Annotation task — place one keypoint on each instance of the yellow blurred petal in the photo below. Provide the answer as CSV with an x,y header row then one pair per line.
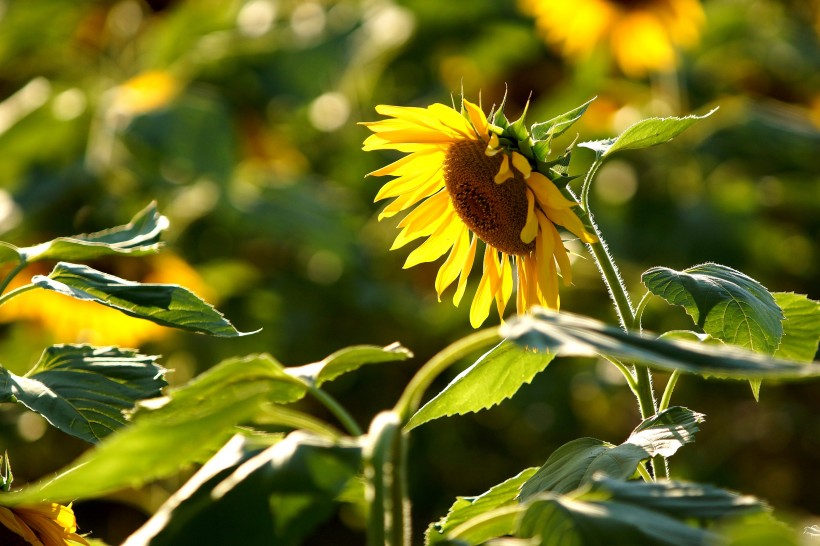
x,y
478,118
408,183
437,244
531,226
547,194
412,163
453,265
465,271
504,172
15,524
521,164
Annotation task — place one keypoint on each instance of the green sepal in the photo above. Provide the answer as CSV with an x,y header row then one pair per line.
x,y
556,126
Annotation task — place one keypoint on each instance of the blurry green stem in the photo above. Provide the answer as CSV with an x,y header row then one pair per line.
x,y
16,292
337,410
13,273
617,290
667,392
627,373
413,393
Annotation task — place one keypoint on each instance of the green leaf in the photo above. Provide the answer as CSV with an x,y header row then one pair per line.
x,y
801,328
613,512
279,494
494,377
645,133
723,302
187,426
566,334
347,360
165,304
557,125
137,238
575,463
84,390
466,508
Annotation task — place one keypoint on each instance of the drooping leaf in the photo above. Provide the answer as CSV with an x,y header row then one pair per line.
x,y
137,238
801,328
494,377
165,304
277,494
466,508
188,425
645,133
347,360
614,512
567,334
84,390
726,303
575,463
557,125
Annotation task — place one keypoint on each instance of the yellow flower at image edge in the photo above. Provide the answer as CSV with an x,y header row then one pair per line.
x,y
47,524
642,34
466,186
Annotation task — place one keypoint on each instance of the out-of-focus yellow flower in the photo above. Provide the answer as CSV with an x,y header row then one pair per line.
x,y
145,92
642,35
74,321
47,524
465,185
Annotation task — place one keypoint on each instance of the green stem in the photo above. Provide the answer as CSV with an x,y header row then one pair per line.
x,y
646,396
647,477
410,400
667,392
337,410
636,323
16,292
627,373
13,273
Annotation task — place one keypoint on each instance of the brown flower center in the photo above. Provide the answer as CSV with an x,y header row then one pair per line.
x,y
496,213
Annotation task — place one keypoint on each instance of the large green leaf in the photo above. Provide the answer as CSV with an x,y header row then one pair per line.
x,y
166,304
277,494
137,238
467,508
645,133
575,463
494,377
801,329
187,426
84,390
726,303
613,513
566,334
347,360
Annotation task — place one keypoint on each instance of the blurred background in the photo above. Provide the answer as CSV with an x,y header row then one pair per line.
x,y
240,119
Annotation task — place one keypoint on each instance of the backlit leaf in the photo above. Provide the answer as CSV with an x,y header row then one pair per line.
x,y
347,360
166,304
723,302
84,390
566,334
494,377
801,328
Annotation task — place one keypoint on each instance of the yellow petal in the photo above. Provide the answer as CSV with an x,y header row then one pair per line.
x,y
568,219
547,194
409,199
437,244
521,164
465,272
412,163
424,219
562,258
504,291
504,172
492,147
521,293
480,308
531,226
545,262
478,118
454,263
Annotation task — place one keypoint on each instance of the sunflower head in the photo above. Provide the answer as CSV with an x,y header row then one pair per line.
x,y
470,178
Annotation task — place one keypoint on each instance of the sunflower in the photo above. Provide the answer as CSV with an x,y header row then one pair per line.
x,y
643,34
465,185
47,524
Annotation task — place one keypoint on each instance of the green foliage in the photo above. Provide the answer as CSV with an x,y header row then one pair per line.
x,y
801,327
166,304
494,377
644,134
576,463
84,390
566,334
723,302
